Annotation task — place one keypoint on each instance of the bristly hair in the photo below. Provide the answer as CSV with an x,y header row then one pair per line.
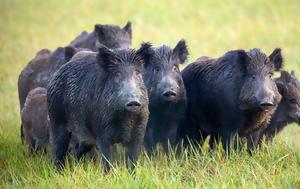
x,y
163,52
126,56
257,60
256,55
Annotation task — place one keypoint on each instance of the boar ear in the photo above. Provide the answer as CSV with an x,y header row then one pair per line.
x,y
69,52
281,87
145,52
293,73
106,58
128,29
181,51
99,31
285,76
277,59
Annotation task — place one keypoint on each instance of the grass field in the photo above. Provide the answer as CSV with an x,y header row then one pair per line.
x,y
210,28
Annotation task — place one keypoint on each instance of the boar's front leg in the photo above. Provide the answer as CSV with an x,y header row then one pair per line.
x,y
254,140
169,140
133,148
149,141
104,146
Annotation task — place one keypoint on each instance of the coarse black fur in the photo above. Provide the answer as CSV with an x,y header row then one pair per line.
x,y
101,99
167,96
111,36
233,94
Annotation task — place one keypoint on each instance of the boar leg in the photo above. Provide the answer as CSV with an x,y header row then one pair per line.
x,y
22,133
226,139
60,140
104,146
32,146
82,149
132,152
253,140
213,141
169,140
149,141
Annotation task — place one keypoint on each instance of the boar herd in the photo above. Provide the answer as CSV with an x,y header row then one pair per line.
x,y
97,91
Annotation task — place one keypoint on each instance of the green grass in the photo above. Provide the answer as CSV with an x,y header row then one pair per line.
x,y
210,28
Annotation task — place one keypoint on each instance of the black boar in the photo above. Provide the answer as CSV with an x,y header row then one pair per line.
x,y
101,99
39,70
35,120
167,96
288,110
111,36
233,94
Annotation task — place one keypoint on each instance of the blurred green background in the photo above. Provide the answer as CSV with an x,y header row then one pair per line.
x,y
210,28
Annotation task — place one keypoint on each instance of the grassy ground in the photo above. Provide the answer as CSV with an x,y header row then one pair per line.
x,y
210,28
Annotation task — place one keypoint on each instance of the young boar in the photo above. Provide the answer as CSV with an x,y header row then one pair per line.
x,y
233,94
35,120
167,96
101,99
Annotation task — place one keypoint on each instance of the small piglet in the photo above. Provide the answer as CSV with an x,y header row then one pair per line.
x,y
35,120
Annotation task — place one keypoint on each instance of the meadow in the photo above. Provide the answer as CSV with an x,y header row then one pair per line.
x,y
210,28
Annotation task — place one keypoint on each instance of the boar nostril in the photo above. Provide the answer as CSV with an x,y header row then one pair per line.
x,y
169,94
266,104
133,104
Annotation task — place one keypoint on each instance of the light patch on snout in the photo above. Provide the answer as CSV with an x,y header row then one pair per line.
x,y
168,83
130,87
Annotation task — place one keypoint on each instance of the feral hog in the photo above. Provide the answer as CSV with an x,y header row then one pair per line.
x,y
35,120
166,91
233,94
288,110
111,36
101,99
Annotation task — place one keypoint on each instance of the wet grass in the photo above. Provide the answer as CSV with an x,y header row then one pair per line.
x,y
210,28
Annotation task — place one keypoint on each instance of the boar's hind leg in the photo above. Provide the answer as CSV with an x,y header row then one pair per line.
x,y
82,149
60,139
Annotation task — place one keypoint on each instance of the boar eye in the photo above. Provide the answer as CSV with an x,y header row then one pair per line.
x,y
156,69
270,74
294,101
175,68
138,73
118,75
253,76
